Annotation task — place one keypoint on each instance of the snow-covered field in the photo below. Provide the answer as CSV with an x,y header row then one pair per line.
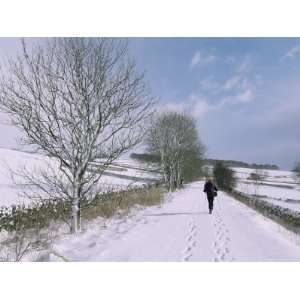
x,y
123,173
178,230
278,187
182,230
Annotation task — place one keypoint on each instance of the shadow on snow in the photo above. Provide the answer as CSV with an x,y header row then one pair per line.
x,y
178,213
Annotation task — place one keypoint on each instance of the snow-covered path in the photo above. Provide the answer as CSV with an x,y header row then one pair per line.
x,y
182,230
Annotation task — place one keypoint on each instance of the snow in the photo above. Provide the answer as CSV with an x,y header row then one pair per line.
x,y
273,192
12,160
179,230
279,187
182,230
278,176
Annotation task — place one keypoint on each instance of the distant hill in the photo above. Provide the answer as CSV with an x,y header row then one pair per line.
x,y
241,164
150,158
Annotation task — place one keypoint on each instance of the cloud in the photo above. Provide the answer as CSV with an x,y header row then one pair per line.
x,y
237,89
171,106
245,66
258,79
237,83
232,83
274,132
201,58
242,97
209,84
291,53
284,115
196,105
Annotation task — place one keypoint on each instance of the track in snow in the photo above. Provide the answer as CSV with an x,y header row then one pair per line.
x,y
182,230
190,240
221,245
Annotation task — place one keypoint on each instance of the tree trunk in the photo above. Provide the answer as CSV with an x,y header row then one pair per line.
x,y
171,183
165,177
74,216
79,217
178,175
164,168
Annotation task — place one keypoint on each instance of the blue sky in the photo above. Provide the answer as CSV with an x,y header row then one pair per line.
x,y
243,92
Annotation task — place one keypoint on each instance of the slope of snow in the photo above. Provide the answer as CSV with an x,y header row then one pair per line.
x,y
278,187
273,192
182,230
14,161
276,176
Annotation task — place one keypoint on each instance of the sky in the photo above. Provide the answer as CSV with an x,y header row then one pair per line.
x,y
244,93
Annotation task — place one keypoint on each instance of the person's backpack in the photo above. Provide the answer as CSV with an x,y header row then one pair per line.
x,y
214,192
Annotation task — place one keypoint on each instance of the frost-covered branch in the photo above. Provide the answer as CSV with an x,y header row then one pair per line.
x,y
78,101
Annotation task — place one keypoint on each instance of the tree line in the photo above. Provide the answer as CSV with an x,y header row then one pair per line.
x,y
241,164
173,139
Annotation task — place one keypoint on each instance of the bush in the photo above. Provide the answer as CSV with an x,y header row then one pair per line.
x,y
255,177
40,215
297,169
258,175
288,218
224,177
108,204
27,231
37,215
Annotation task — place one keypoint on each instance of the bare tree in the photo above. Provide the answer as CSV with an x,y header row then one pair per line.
x,y
79,101
174,137
258,176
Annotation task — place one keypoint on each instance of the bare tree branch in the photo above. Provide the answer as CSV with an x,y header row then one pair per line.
x,y
79,100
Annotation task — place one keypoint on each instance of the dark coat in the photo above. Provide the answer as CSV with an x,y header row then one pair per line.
x,y
209,189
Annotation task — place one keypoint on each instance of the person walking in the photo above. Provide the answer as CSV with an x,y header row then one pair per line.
x,y
211,191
